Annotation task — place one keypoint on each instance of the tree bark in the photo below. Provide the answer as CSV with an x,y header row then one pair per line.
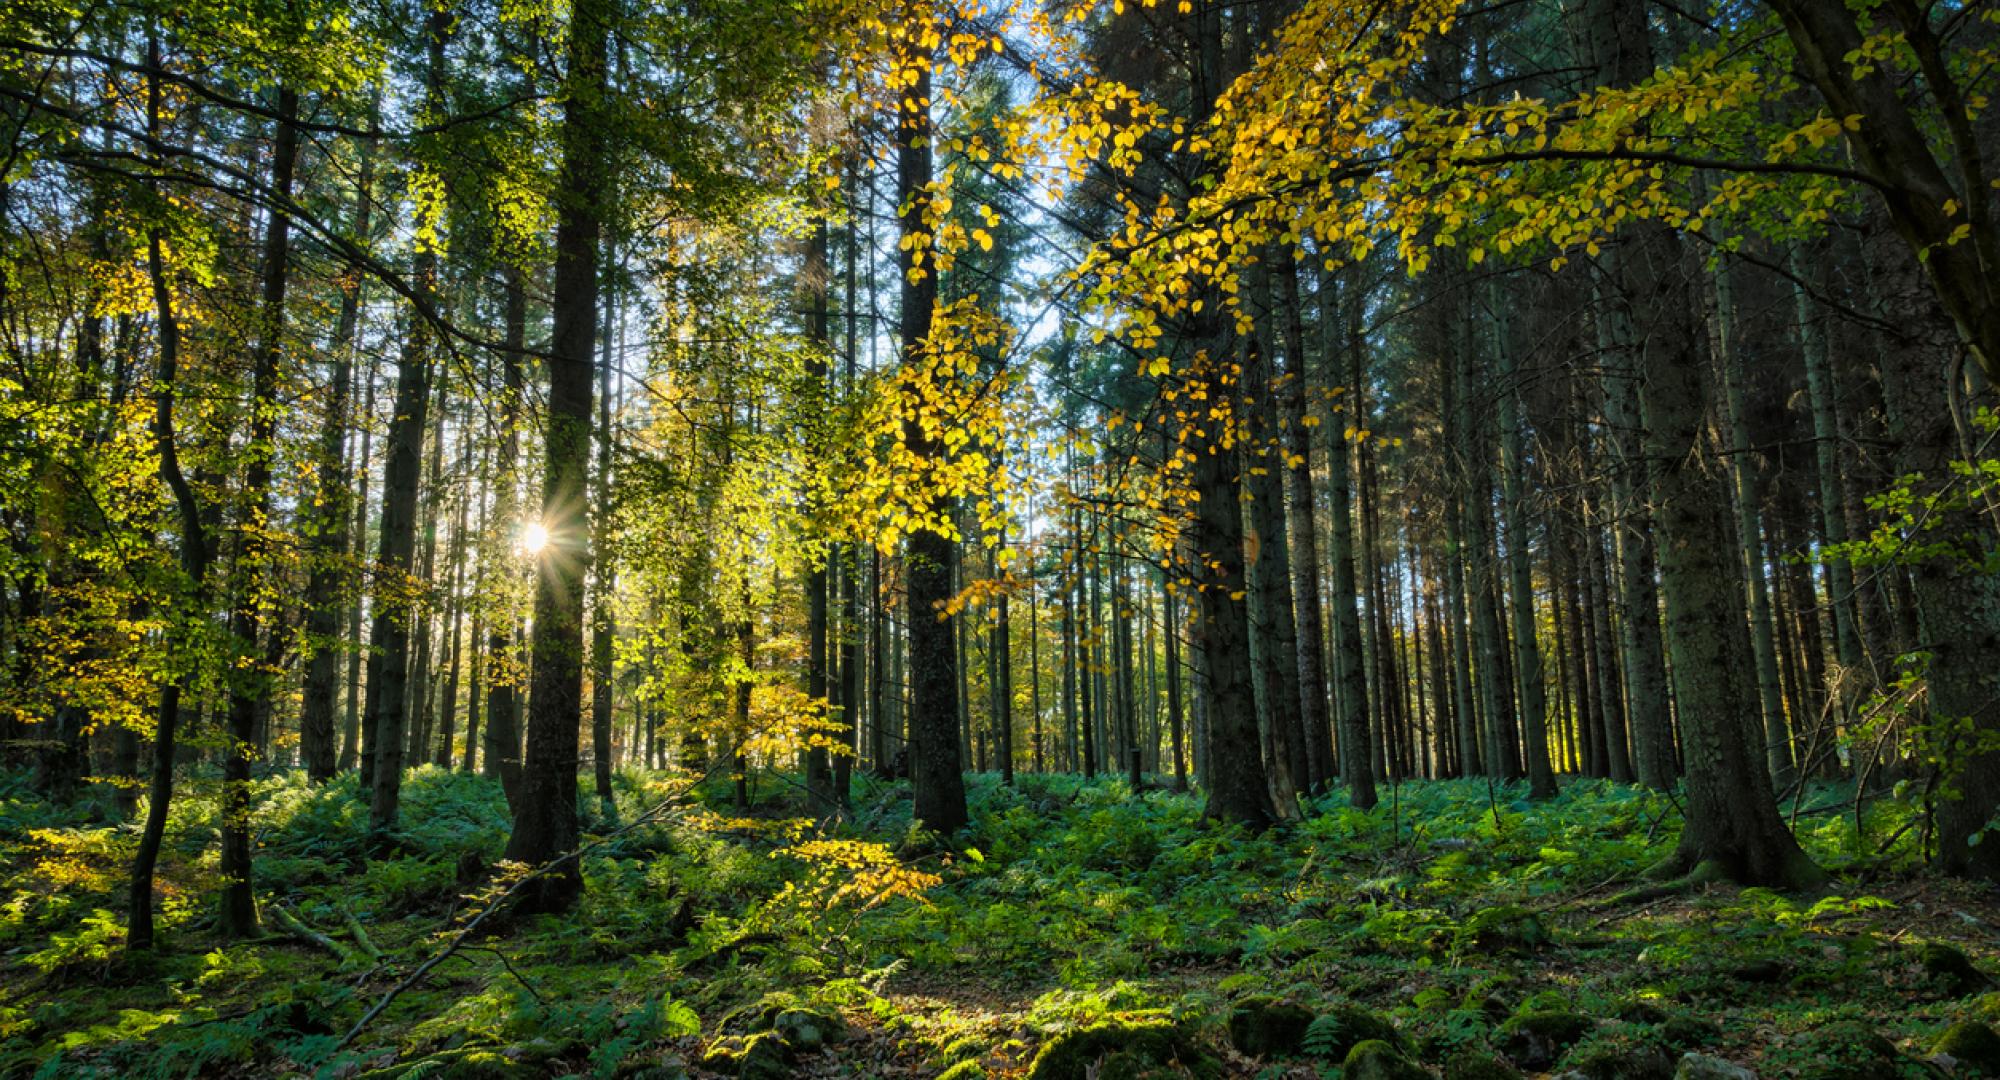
x,y
545,822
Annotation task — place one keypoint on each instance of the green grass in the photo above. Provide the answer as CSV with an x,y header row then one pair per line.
x,y
1065,907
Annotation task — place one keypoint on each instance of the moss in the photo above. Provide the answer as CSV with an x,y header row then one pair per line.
x,y
1267,1026
964,1070
1688,1032
1086,1052
809,1029
1846,1050
1619,1056
1342,1027
1544,1001
1508,929
1973,1048
1376,1059
1535,1040
963,1048
765,1057
1640,1011
1951,969
1478,1065
479,1063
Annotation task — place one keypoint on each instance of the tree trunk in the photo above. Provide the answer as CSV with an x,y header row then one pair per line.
x,y
1957,594
194,555
1520,574
328,542
394,610
503,659
250,684
930,555
1343,335
545,824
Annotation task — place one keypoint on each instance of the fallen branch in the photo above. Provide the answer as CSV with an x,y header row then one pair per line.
x,y
297,927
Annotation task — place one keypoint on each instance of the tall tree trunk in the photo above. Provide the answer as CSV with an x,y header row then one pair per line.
x,y
503,658
394,610
603,616
1274,633
545,824
1957,594
813,283
350,731
1749,533
1304,536
454,620
328,542
238,917
930,555
1520,574
1343,330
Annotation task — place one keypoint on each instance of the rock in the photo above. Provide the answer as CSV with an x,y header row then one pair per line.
x,y
1687,1032
1951,969
1641,1011
1702,1067
1536,1040
1758,971
1619,1057
1478,1065
1507,929
765,1057
1341,1028
1267,1027
1376,1059
1847,1050
1113,1048
807,1029
1968,1048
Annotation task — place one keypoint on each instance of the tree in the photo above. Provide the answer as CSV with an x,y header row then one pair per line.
x,y
930,554
545,825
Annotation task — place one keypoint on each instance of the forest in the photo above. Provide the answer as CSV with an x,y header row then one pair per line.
x,y
1063,539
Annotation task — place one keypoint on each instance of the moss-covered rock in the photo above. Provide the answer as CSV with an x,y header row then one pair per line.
x,y
1116,1048
1846,1050
1478,1065
1377,1059
1268,1026
461,1063
1951,969
1536,1040
964,1070
1640,1011
1508,929
1619,1057
1703,1067
1968,1048
808,1029
1341,1028
765,1057
1684,1032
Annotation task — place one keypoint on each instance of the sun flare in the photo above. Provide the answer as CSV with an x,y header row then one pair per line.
x,y
534,537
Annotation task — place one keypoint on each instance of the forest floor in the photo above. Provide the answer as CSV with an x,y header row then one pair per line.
x,y
1074,931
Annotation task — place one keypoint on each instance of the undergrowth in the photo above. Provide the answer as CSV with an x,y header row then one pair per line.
x,y
1465,920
